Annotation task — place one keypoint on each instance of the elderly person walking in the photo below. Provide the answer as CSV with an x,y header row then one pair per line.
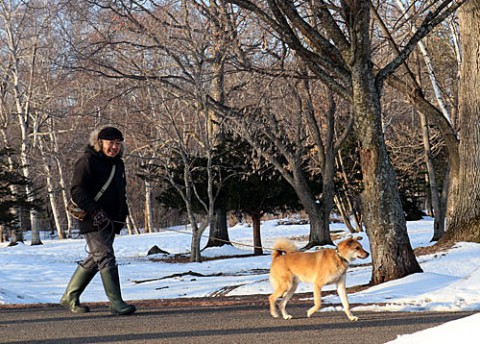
x,y
99,168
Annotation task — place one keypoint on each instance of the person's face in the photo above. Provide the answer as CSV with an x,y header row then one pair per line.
x,y
111,148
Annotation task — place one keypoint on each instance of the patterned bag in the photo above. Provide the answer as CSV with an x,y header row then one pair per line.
x,y
78,213
75,211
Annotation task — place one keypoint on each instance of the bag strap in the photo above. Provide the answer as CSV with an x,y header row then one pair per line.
x,y
105,186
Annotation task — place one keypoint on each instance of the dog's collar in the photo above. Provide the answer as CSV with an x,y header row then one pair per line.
x,y
342,257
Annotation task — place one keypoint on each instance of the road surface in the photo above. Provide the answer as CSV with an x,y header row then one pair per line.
x,y
207,321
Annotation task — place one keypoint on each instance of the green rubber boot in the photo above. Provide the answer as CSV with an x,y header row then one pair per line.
x,y
111,284
79,281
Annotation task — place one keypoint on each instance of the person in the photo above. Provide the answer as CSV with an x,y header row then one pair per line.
x,y
105,217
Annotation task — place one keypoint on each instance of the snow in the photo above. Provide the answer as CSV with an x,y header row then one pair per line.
x,y
450,282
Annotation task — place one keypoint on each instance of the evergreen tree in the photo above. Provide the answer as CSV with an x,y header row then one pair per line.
x,y
249,186
10,199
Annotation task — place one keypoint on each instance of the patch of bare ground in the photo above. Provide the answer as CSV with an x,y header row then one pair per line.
x,y
437,248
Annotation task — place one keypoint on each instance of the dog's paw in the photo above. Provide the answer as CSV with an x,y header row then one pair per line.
x,y
287,317
310,313
274,315
352,318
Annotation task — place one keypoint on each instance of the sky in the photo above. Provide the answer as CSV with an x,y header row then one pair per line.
x,y
450,281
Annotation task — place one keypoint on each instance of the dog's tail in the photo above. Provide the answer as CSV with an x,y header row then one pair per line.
x,y
282,246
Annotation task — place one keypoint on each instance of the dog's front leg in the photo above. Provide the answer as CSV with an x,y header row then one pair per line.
x,y
342,292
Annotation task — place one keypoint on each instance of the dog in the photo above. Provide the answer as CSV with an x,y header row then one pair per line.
x,y
322,267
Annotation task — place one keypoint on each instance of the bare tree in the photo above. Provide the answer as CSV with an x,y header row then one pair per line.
x,y
220,25
343,60
186,140
296,135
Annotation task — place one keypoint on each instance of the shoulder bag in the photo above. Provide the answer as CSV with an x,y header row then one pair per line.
x,y
78,213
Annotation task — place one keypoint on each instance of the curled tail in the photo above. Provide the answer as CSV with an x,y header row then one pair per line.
x,y
281,246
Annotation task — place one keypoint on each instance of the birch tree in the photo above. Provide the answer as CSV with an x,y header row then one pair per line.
x,y
438,202
460,139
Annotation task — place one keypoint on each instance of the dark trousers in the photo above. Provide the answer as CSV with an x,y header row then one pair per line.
x,y
100,249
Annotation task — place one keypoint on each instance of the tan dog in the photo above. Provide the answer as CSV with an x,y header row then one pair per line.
x,y
321,268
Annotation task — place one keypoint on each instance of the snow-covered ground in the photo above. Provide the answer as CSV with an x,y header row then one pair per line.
x,y
450,282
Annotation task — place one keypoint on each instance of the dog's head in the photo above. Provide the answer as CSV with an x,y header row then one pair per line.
x,y
351,249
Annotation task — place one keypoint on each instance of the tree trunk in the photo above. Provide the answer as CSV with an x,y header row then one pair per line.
x,y
464,222
16,236
195,246
64,197
218,235
318,236
344,213
53,205
257,238
392,254
352,206
148,207
317,212
438,224
131,224
3,234
61,179
46,156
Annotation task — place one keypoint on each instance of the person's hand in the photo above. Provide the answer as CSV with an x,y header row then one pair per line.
x,y
100,219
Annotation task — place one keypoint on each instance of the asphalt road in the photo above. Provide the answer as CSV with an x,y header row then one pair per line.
x,y
204,321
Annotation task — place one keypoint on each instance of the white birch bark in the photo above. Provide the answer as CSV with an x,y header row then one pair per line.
x,y
46,157
131,225
428,63
62,184
438,208
148,207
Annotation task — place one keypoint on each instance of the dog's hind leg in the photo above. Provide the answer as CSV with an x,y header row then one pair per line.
x,y
342,292
286,297
279,290
272,299
317,296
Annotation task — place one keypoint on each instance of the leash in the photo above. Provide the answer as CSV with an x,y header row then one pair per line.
x,y
208,237
221,240
110,235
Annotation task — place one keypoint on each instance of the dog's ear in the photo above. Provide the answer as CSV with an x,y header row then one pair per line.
x,y
352,240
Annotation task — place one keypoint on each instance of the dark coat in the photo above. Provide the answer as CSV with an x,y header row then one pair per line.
x,y
90,173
